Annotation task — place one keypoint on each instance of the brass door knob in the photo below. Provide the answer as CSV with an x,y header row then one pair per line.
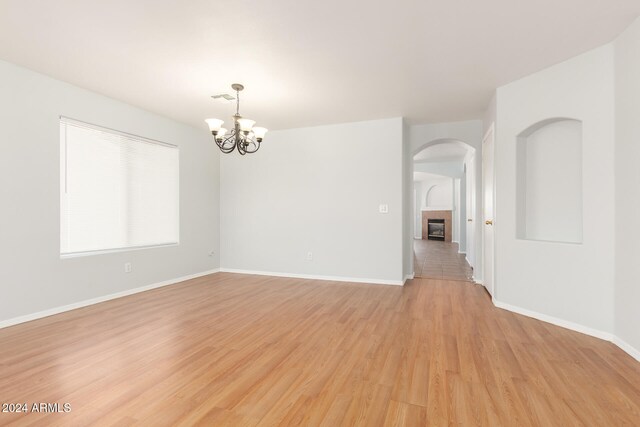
x,y
488,222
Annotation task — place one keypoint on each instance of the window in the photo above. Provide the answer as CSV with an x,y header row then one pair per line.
x,y
117,191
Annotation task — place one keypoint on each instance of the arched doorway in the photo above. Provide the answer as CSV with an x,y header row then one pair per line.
x,y
444,185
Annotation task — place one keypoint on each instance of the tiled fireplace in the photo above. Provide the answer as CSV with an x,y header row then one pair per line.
x,y
436,225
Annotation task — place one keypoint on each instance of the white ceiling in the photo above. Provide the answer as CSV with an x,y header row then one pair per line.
x,y
304,63
447,151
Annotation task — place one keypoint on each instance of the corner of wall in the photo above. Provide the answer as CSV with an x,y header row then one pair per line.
x,y
626,51
407,216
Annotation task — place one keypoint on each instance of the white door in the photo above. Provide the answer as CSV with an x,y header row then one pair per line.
x,y
488,205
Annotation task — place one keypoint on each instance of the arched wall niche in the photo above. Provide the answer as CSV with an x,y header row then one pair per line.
x,y
549,181
438,195
426,197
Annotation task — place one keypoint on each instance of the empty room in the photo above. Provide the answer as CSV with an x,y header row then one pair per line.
x,y
336,213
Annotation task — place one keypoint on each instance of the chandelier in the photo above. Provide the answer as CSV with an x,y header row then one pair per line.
x,y
243,136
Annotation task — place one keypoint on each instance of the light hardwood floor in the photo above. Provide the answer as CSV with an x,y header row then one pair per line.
x,y
242,350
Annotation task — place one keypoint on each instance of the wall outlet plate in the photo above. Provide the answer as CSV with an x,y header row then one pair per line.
x,y
127,267
383,209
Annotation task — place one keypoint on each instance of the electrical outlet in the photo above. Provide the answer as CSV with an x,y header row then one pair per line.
x,y
127,267
383,209
309,256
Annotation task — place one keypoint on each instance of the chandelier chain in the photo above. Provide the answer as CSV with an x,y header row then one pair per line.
x,y
237,102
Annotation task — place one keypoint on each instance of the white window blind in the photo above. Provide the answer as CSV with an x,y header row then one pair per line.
x,y
117,191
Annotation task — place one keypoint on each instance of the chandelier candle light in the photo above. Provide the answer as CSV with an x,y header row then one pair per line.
x,y
244,135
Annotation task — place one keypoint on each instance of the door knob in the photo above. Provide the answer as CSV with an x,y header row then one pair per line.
x,y
489,222
469,220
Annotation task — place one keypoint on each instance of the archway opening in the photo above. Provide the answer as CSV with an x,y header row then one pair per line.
x,y
444,201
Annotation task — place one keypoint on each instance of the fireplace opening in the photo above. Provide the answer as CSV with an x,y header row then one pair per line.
x,y
435,229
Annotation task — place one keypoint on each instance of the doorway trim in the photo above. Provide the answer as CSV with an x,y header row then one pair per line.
x,y
490,133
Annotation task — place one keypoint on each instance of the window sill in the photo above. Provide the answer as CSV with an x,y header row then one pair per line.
x,y
115,250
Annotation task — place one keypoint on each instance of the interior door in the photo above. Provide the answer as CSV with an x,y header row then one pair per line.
x,y
488,209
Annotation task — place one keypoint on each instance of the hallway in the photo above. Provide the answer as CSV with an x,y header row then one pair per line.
x,y
440,260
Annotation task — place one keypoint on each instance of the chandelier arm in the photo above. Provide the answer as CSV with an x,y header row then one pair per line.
x,y
224,146
229,142
241,148
229,139
256,144
226,149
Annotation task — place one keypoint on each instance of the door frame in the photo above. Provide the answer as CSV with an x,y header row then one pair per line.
x,y
489,134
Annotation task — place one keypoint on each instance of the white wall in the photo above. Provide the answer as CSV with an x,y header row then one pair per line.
x,y
454,169
456,211
627,289
33,278
437,193
417,210
317,190
470,209
462,215
489,115
570,282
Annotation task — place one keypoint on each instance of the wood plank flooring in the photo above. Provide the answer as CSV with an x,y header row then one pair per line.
x,y
239,350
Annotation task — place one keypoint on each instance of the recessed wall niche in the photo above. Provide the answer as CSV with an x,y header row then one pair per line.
x,y
549,181
438,195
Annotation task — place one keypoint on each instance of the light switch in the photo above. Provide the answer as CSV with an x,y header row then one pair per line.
x,y
383,209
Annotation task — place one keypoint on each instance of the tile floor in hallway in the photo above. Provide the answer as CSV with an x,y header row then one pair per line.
x,y
440,260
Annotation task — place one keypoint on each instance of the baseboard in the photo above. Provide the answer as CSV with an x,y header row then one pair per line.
x,y
97,300
408,277
555,321
624,346
315,277
633,352
468,262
